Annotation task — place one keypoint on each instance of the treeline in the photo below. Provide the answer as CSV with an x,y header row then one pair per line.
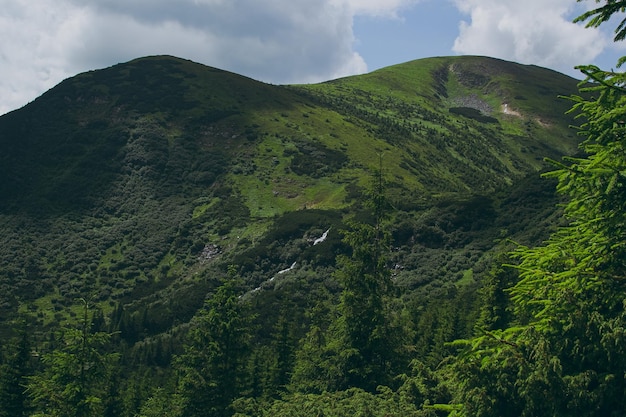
x,y
367,331
353,341
346,337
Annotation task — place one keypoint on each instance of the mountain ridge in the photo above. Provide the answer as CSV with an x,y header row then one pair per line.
x,y
116,181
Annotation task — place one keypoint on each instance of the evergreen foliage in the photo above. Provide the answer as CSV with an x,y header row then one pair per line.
x,y
360,348
75,378
563,352
602,14
211,371
15,369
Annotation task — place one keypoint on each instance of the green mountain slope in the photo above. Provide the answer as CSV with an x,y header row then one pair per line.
x,y
136,185
474,122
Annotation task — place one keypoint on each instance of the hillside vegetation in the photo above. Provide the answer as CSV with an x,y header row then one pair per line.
x,y
154,197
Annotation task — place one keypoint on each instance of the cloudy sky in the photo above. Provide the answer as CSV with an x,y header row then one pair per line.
x,y
285,41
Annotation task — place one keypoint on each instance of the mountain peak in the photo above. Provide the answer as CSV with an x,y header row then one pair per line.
x,y
425,110
117,182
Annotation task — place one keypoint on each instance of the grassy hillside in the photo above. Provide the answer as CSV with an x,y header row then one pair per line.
x,y
136,185
489,119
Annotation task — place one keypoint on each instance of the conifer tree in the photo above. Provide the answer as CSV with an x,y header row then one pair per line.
x,y
161,404
75,378
564,355
211,370
14,371
359,349
362,325
369,341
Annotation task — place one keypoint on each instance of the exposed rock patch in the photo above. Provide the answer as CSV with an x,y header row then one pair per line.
x,y
506,109
473,102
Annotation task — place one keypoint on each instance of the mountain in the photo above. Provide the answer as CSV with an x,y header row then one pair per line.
x,y
135,186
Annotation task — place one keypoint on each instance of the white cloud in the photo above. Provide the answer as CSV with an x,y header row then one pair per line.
x,y
532,32
387,8
33,59
279,41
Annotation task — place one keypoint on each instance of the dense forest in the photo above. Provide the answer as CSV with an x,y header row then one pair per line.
x,y
292,271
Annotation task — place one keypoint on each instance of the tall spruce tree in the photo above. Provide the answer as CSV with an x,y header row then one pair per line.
x,y
15,369
362,325
565,353
359,349
212,368
75,377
